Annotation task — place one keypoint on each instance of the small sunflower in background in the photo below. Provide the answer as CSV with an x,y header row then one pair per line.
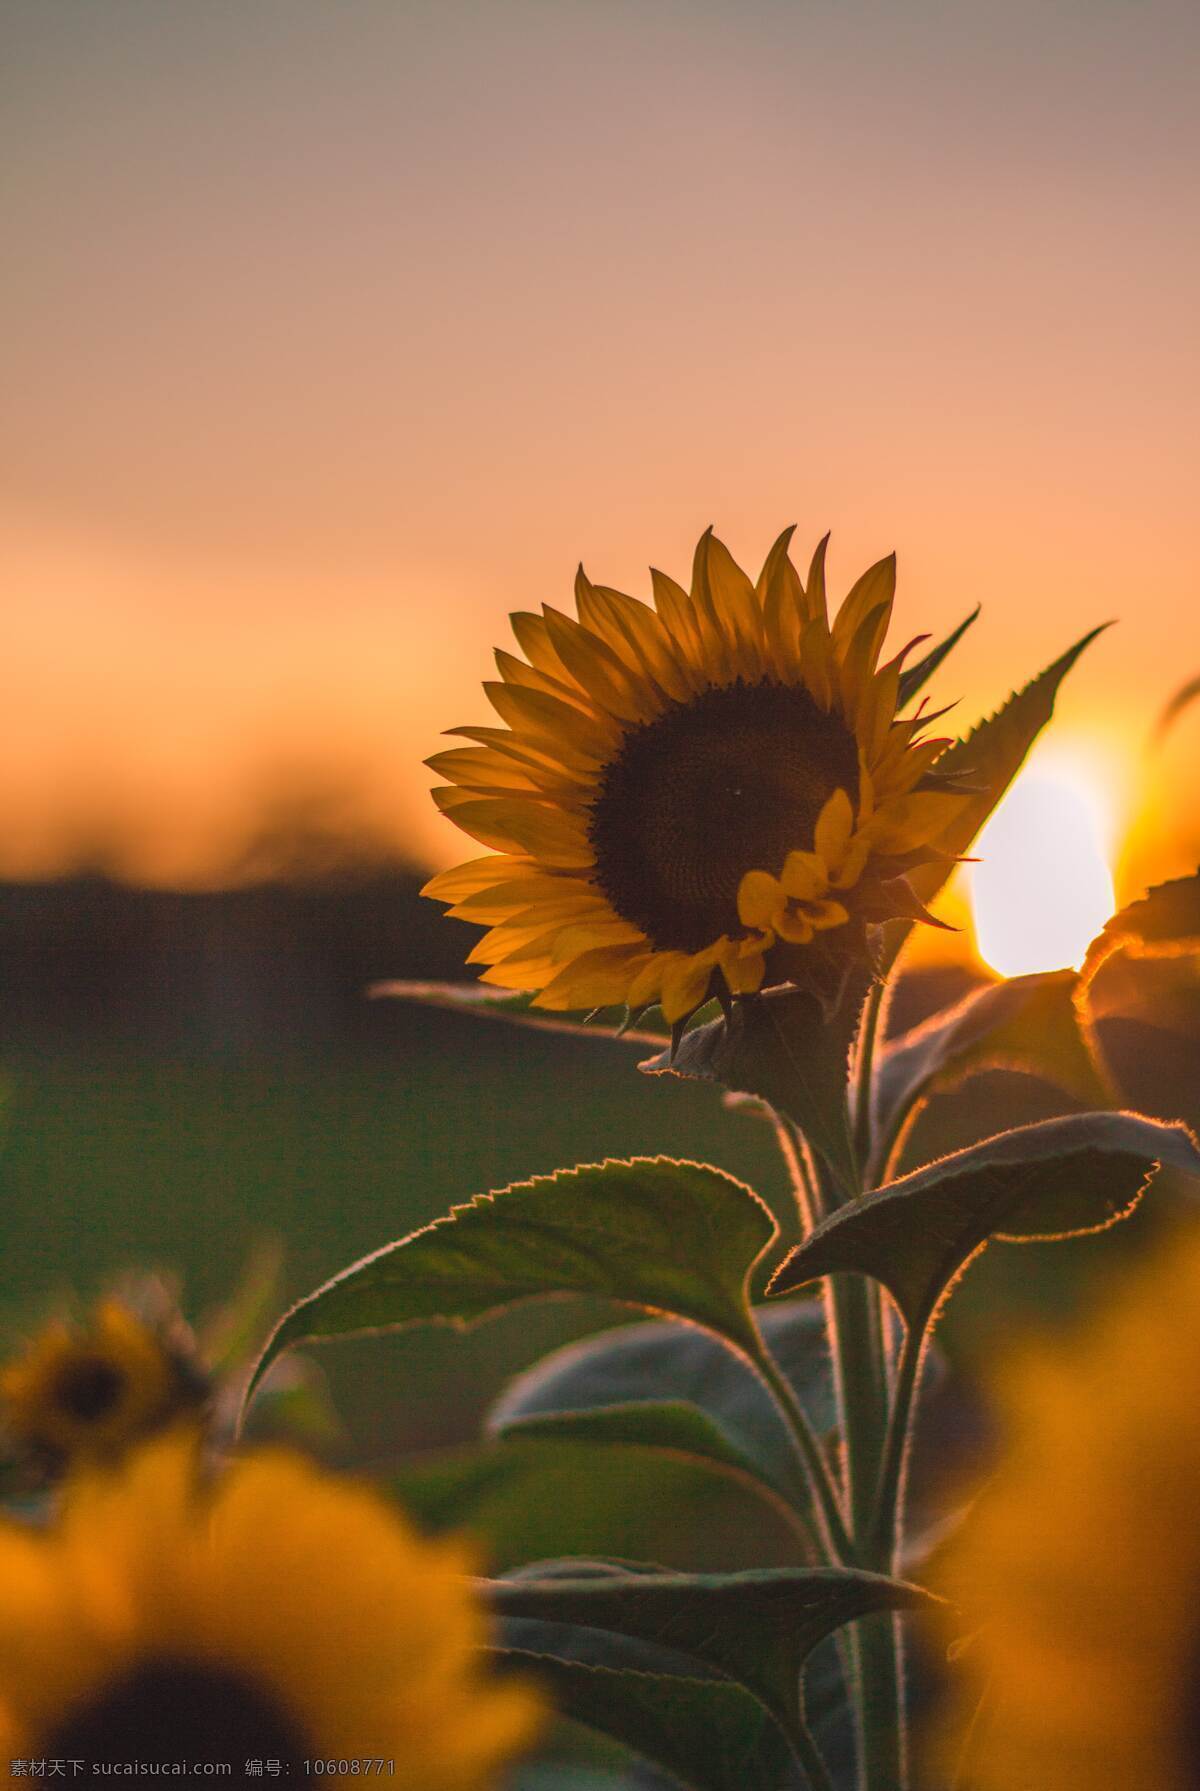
x,y
270,1613
1077,1573
692,799
85,1392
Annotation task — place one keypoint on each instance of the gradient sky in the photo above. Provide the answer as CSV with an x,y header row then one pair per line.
x,y
335,331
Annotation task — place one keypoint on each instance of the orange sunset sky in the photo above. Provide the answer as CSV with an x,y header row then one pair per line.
x,y
335,331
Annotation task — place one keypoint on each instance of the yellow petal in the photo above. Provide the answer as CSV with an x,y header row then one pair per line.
x,y
805,877
513,824
910,821
876,586
815,603
733,598
623,619
597,979
647,983
501,900
478,768
535,643
685,985
795,927
759,895
464,880
853,864
835,824
816,661
823,915
547,719
527,677
608,683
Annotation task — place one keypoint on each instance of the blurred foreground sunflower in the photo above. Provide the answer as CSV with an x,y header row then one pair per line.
x,y
272,1614
1080,1564
694,798
87,1392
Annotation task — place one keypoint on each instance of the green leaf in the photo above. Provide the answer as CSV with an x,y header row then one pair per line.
x,y
918,675
1057,1178
757,1627
654,1361
708,1734
784,1048
672,1424
499,1004
1027,1023
530,1500
987,760
674,1238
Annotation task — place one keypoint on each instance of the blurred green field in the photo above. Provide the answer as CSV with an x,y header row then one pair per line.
x,y
116,1160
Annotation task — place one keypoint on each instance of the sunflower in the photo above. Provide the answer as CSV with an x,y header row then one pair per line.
x,y
273,1614
695,798
83,1393
1079,1568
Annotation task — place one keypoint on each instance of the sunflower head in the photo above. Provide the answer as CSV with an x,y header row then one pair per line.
x,y
85,1393
1076,1574
273,1612
699,797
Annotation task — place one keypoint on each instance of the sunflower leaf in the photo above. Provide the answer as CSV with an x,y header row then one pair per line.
x,y
527,1500
986,760
1165,923
501,1004
674,1238
756,1627
1054,1179
1027,1023
918,675
656,1362
707,1734
786,1049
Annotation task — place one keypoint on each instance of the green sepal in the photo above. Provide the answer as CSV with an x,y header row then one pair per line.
x,y
786,1049
669,1237
987,759
1055,1179
918,675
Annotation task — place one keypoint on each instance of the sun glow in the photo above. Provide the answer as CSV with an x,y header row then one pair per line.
x,y
1043,888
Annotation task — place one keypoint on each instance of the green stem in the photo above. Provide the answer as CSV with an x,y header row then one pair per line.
x,y
868,1032
809,1756
799,1168
887,1520
831,1524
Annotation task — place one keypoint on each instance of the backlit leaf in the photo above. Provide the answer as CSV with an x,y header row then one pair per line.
x,y
660,1361
672,1238
1026,1023
757,1627
1057,1178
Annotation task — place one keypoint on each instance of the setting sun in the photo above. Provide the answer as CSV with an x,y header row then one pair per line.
x,y
1043,888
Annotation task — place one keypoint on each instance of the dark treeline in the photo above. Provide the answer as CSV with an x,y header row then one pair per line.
x,y
269,967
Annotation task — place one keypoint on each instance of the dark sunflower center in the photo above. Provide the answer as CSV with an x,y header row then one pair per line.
x,y
89,1387
162,1710
731,782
